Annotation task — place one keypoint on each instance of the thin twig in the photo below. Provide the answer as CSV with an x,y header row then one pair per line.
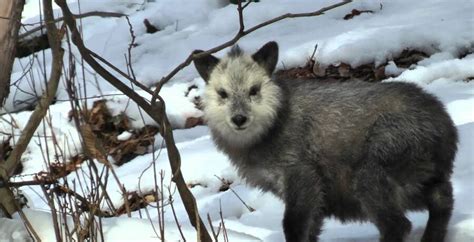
x,y
85,204
247,4
314,52
27,222
214,234
130,47
156,111
157,108
134,81
171,201
224,230
54,213
235,193
77,16
7,167
240,10
241,33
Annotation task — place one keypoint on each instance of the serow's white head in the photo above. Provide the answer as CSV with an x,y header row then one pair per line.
x,y
241,100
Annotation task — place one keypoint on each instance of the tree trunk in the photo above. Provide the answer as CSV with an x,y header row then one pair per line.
x,y
10,20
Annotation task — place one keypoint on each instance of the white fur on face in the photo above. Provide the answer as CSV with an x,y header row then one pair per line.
x,y
236,76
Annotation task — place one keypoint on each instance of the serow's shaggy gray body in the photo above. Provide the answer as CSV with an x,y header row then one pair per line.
x,y
356,151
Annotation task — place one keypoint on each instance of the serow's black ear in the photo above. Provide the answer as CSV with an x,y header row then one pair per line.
x,y
267,56
205,64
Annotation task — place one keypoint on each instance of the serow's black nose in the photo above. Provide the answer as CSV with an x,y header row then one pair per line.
x,y
239,120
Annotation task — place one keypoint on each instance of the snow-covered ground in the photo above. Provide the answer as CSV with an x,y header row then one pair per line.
x,y
443,29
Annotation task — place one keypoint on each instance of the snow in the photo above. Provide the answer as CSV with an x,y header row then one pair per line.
x,y
125,135
443,29
12,230
454,69
392,69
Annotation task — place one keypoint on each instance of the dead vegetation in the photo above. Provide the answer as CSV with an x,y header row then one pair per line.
x,y
107,129
356,12
344,72
5,150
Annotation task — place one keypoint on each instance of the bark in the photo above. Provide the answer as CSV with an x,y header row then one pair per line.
x,y
7,167
10,20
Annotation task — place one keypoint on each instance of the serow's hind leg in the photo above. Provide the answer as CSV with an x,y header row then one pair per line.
x,y
378,194
439,200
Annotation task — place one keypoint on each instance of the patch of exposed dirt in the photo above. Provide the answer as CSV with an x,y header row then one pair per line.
x,y
344,72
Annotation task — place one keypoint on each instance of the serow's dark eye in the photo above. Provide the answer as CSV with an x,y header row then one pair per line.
x,y
254,90
222,93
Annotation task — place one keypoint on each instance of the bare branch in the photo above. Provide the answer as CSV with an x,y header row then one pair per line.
x,y
7,167
77,16
246,4
224,182
240,9
50,92
297,15
134,81
156,110
8,38
87,55
85,204
214,234
171,201
241,33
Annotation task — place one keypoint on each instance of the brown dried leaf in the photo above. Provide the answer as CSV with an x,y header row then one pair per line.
x,y
344,70
5,148
150,28
193,121
379,73
59,169
121,122
409,57
356,12
319,70
93,146
141,150
150,198
137,201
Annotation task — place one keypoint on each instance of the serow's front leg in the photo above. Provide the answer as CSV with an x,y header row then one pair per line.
x,y
302,205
